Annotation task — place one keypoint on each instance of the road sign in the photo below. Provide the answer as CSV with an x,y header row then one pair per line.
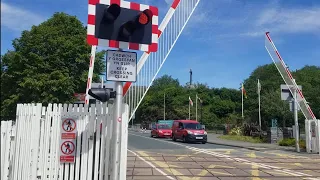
x,y
67,151
274,123
68,128
286,94
121,66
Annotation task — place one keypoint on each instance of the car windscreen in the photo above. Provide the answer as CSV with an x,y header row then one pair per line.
x,y
163,127
192,126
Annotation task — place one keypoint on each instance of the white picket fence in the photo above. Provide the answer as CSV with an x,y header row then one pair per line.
x,y
30,146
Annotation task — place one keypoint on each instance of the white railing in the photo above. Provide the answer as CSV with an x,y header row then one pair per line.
x,y
30,148
7,148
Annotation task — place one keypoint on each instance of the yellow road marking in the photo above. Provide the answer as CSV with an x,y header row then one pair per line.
x,y
286,155
166,167
227,152
255,170
298,164
205,172
217,172
228,167
252,154
184,156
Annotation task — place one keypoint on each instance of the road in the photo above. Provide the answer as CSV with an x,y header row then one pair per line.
x,y
157,159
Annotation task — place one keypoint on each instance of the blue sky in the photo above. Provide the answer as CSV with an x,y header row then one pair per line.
x,y
222,43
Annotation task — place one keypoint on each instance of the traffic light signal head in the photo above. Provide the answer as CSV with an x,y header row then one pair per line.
x,y
111,13
123,24
101,94
128,29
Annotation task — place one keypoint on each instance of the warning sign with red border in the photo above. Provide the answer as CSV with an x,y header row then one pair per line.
x,y
67,151
68,128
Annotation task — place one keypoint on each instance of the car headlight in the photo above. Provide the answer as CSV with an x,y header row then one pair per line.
x,y
205,132
190,132
160,131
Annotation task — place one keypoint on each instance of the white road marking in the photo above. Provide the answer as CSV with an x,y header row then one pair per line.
x,y
153,166
230,157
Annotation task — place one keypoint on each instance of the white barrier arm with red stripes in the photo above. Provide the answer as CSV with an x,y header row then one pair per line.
x,y
145,55
287,77
90,73
170,30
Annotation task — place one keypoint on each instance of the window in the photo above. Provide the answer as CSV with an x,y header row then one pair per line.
x,y
163,126
192,126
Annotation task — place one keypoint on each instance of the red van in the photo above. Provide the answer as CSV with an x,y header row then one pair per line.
x,y
188,131
161,130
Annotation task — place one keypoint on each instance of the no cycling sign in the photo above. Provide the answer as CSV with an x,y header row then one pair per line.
x,y
67,151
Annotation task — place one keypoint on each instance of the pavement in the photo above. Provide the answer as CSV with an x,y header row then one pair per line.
x,y
160,158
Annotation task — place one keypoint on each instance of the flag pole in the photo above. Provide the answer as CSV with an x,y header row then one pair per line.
x,y
189,107
259,88
196,107
242,100
164,106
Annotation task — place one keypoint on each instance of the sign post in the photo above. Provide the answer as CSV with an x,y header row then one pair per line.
x,y
67,142
121,67
296,123
293,98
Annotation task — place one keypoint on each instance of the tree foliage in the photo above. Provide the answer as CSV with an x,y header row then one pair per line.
x,y
223,105
48,64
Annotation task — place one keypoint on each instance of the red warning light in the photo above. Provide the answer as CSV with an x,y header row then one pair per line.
x,y
145,17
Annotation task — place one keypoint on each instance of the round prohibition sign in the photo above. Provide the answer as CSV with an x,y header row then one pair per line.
x,y
67,147
69,125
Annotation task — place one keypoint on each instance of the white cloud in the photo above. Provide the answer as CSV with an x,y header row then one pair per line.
x,y
18,19
280,20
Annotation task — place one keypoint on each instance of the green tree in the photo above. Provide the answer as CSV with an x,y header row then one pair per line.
x,y
48,64
271,104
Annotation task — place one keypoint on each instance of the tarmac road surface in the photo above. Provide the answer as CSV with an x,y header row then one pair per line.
x,y
157,159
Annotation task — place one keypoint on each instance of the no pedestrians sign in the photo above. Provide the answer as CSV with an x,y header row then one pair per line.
x,y
68,128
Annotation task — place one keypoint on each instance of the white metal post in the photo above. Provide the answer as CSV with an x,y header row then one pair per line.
x,y
164,106
196,107
242,101
189,108
296,120
259,105
318,134
116,137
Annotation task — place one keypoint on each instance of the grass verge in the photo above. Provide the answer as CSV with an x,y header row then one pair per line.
x,y
291,142
242,138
